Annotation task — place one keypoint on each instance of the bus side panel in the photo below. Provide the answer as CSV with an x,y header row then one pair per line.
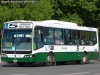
x,y
93,55
71,56
40,57
68,56
59,56
65,56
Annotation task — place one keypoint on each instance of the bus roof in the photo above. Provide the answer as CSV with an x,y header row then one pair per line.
x,y
18,21
64,25
51,23
47,21
60,22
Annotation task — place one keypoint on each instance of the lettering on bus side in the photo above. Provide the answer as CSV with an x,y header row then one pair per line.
x,y
64,48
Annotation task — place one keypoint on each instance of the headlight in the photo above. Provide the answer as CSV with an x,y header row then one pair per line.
x,y
30,56
27,56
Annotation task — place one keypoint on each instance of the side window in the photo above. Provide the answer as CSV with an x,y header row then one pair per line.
x,y
48,36
59,37
84,38
92,38
67,37
76,37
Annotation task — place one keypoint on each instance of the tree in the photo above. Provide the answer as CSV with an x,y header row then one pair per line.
x,y
41,10
83,12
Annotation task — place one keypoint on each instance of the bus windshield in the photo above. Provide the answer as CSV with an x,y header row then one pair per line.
x,y
18,40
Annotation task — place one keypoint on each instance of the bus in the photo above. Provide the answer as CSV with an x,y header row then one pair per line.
x,y
48,42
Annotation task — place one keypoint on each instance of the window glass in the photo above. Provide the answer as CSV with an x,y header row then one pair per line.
x,y
92,38
76,37
40,37
48,36
58,37
84,38
67,37
20,39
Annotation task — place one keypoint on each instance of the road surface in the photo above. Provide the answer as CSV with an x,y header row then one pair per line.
x,y
93,68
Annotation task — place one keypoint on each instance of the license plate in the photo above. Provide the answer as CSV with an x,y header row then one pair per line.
x,y
15,60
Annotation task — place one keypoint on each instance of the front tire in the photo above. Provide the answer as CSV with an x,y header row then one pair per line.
x,y
50,60
84,59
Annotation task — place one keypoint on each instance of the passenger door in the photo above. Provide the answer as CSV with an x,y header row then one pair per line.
x,y
38,38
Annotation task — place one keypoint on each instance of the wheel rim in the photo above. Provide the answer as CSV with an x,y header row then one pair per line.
x,y
84,59
49,59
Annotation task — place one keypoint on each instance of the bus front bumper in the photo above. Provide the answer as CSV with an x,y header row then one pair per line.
x,y
15,60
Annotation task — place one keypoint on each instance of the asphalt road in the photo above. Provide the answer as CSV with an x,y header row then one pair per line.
x,y
93,68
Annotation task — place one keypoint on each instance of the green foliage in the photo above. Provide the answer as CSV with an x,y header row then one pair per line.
x,y
82,12
73,18
41,10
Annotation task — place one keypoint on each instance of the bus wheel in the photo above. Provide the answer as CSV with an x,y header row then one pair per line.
x,y
50,60
21,64
84,59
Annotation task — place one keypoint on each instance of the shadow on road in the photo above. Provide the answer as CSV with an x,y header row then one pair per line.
x,y
42,65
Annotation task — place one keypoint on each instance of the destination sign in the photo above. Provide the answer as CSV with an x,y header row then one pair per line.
x,y
25,25
17,25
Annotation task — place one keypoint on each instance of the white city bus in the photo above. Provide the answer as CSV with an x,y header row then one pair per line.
x,y
48,41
